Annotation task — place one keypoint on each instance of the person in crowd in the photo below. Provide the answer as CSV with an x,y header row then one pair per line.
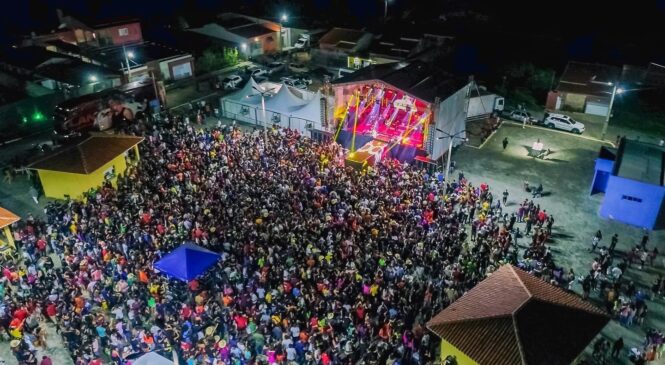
x,y
320,264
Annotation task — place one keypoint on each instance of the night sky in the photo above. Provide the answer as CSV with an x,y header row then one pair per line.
x,y
576,29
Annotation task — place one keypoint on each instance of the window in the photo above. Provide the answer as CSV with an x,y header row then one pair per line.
x,y
631,198
123,32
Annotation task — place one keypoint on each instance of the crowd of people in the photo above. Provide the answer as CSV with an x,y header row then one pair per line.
x,y
320,264
624,299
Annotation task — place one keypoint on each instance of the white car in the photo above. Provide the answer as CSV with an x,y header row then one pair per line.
x,y
231,82
563,122
258,72
303,41
275,67
298,84
520,116
298,67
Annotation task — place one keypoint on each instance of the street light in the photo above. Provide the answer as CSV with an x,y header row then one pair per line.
x,y
615,90
128,55
452,137
282,37
92,78
263,94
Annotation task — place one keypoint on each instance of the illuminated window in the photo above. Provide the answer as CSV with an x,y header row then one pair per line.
x,y
123,32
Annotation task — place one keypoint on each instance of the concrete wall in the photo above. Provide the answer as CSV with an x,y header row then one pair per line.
x,y
632,202
58,184
447,349
166,67
131,33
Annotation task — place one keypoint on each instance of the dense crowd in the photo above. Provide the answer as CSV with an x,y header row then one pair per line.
x,y
320,264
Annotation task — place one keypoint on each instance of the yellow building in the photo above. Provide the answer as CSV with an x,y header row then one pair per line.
x,y
75,170
7,245
514,318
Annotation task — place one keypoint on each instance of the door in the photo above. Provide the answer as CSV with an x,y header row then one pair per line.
x,y
596,109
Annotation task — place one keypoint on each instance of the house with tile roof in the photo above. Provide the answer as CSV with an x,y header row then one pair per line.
x,y
7,218
73,171
514,318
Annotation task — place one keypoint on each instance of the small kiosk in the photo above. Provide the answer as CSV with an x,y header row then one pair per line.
x,y
7,246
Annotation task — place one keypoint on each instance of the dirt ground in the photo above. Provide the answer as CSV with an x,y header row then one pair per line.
x,y
566,177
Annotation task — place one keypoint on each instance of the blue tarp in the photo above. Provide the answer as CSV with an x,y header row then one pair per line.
x,y
187,262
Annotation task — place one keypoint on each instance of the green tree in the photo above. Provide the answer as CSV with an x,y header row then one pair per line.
x,y
525,83
215,58
230,57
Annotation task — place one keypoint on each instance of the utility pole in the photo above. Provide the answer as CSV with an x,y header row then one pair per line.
x,y
129,70
609,111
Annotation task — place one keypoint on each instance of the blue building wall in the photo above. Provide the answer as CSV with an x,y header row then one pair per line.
x,y
602,175
632,202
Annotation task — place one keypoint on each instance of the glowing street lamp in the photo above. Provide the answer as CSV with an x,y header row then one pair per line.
x,y
92,78
615,90
130,54
282,37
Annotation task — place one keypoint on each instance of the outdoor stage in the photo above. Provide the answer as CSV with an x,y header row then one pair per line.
x,y
378,120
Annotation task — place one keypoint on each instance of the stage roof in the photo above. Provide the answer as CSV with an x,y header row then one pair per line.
x,y
416,78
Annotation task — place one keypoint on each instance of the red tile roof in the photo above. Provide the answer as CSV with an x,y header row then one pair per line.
x,y
514,318
89,155
589,79
7,217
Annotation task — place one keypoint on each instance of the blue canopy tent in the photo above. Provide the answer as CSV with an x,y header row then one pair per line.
x,y
187,262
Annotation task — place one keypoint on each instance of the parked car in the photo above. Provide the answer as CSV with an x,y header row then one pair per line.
x,y
302,78
231,82
258,72
298,84
288,78
520,116
303,41
274,67
305,79
298,67
563,122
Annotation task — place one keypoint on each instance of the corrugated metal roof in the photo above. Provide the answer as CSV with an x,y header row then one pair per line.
x,y
420,79
514,318
336,35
